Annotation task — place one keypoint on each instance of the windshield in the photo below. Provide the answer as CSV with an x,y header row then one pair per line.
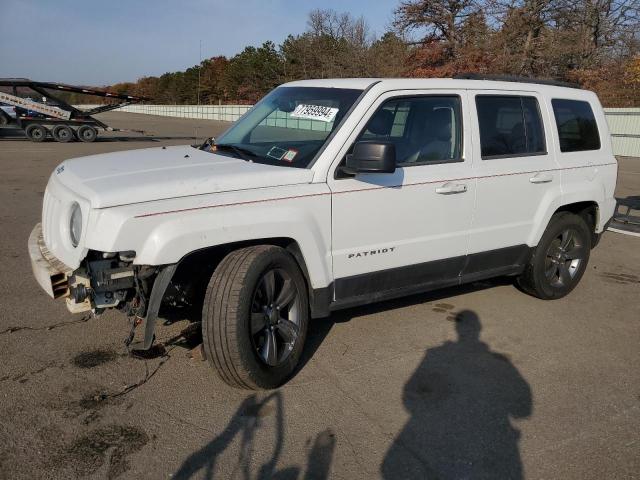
x,y
288,126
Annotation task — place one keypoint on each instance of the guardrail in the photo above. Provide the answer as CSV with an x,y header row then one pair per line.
x,y
624,123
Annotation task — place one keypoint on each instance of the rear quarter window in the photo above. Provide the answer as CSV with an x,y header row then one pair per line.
x,y
577,127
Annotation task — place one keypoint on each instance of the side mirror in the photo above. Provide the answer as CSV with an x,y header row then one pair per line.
x,y
207,144
372,157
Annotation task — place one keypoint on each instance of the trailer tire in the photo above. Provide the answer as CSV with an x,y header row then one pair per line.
x,y
87,134
36,132
4,118
63,134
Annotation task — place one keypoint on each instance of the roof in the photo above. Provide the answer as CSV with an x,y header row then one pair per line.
x,y
356,83
506,83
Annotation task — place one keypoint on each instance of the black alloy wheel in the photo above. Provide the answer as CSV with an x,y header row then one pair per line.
x,y
560,258
275,317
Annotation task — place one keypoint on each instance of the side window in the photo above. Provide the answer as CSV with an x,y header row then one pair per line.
x,y
577,127
392,113
510,126
424,129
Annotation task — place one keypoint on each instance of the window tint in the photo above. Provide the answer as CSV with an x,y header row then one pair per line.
x,y
509,126
577,128
424,129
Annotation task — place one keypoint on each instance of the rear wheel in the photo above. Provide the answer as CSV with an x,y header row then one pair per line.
x,y
36,132
63,134
255,317
560,259
87,134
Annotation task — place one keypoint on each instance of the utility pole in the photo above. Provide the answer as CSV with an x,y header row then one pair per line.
x,y
199,68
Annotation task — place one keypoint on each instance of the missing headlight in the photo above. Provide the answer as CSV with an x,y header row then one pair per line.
x,y
75,224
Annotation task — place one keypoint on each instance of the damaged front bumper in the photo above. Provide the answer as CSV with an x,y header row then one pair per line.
x,y
103,282
51,274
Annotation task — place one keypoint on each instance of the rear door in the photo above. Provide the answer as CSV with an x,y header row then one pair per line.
x,y
517,177
409,229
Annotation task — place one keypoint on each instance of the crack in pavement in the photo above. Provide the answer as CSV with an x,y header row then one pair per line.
x,y
14,329
24,377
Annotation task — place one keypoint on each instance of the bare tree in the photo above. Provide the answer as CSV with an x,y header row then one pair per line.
x,y
437,20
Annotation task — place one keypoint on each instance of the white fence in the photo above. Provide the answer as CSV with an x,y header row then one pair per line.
x,y
624,123
225,113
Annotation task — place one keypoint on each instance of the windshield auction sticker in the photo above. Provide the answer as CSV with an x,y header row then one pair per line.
x,y
314,112
290,155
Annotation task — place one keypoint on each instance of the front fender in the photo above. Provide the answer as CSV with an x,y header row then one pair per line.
x,y
164,232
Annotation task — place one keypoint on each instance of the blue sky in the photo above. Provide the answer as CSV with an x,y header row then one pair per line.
x,y
99,42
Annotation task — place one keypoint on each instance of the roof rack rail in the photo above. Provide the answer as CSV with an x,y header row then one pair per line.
x,y
515,78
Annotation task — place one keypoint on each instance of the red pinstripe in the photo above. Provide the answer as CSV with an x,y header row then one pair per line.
x,y
248,202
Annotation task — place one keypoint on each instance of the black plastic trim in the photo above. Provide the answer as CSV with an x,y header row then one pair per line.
x,y
496,259
516,79
155,299
513,155
402,277
320,301
411,279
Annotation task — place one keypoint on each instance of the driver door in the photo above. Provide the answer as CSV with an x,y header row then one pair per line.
x,y
396,233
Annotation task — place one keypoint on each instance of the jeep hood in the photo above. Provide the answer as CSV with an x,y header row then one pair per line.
x,y
134,176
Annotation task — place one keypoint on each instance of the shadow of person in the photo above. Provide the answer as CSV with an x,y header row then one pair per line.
x,y
242,425
461,400
242,429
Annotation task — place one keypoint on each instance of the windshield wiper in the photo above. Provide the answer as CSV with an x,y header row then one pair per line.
x,y
243,153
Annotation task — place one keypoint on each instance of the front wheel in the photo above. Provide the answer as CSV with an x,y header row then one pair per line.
x,y
560,259
255,317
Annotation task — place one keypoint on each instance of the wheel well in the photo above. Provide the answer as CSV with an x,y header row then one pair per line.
x,y
588,211
194,270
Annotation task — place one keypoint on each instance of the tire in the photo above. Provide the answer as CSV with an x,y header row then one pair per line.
x,y
87,134
36,132
560,259
239,326
4,119
63,134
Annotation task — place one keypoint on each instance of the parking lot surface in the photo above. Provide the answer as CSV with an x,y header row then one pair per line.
x,y
480,381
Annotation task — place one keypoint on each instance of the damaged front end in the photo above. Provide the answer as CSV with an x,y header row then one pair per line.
x,y
103,280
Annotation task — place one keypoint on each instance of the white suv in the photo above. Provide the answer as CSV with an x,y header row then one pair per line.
x,y
329,194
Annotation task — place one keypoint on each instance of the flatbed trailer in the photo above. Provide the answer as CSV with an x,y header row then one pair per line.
x,y
62,121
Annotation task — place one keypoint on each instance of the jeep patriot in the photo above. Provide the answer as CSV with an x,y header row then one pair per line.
x,y
329,194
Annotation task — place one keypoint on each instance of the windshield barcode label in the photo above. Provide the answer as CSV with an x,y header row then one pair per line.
x,y
315,112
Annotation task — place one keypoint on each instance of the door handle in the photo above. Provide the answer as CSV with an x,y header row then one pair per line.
x,y
541,178
449,188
